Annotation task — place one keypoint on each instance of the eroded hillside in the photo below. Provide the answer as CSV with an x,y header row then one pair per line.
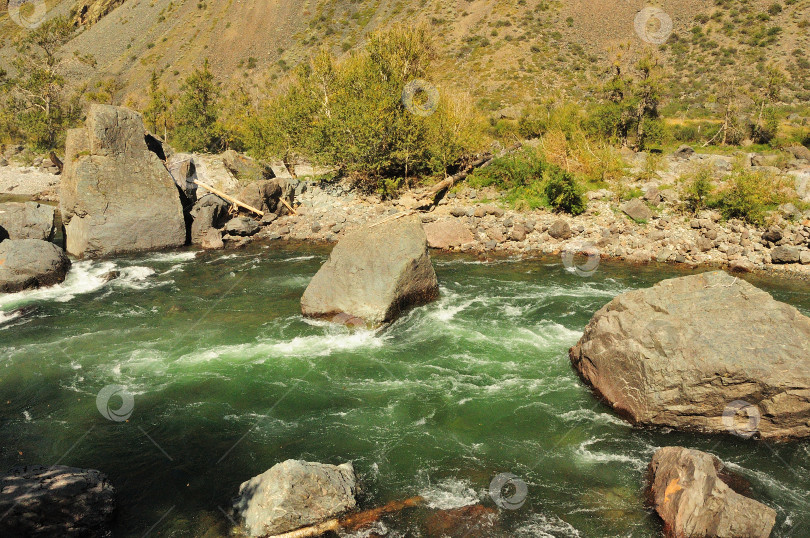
x,y
504,52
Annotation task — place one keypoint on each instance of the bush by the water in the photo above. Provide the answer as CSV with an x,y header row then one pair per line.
x,y
749,195
531,182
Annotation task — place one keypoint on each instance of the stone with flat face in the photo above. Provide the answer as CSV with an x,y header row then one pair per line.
x,y
374,273
702,353
116,195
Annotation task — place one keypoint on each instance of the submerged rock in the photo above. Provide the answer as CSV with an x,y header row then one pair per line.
x,y
55,501
690,495
295,494
375,274
692,352
472,520
116,194
29,220
31,263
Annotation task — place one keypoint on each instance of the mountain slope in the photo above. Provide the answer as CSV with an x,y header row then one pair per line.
x,y
502,51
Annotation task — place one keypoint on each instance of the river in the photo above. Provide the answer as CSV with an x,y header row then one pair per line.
x,y
228,379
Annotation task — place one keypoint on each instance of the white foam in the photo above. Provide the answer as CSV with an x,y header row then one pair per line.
x,y
83,277
171,257
297,259
5,317
589,415
587,456
336,339
541,526
449,493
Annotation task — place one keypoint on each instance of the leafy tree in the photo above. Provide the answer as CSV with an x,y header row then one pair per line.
x,y
197,112
632,103
765,91
351,114
42,105
158,109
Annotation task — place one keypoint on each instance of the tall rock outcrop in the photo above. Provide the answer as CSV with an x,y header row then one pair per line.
x,y
708,352
116,195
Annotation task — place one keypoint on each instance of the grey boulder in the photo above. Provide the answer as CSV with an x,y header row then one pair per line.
x,y
209,212
40,501
690,495
242,227
636,210
29,220
294,494
31,263
116,194
785,254
700,353
374,274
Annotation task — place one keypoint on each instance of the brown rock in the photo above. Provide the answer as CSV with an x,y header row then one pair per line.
x,y
691,497
560,230
681,353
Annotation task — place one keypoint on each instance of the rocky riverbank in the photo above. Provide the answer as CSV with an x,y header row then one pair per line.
x,y
651,227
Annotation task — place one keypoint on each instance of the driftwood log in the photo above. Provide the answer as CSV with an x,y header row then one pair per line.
x,y
352,521
438,191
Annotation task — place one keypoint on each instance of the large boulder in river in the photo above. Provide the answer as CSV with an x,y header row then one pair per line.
x,y
295,494
29,220
55,501
30,263
117,195
374,274
695,351
690,494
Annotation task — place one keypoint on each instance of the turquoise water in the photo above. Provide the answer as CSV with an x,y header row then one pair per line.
x,y
228,380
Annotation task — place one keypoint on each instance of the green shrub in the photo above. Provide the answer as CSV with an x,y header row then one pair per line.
x,y
531,182
563,192
749,195
510,172
698,189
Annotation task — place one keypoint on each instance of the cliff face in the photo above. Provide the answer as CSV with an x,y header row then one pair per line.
x,y
91,11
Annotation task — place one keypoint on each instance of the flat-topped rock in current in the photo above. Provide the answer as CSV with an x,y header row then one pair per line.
x,y
692,352
374,273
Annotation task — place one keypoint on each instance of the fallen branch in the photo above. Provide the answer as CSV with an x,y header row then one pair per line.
x,y
441,188
352,521
229,198
283,201
394,217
